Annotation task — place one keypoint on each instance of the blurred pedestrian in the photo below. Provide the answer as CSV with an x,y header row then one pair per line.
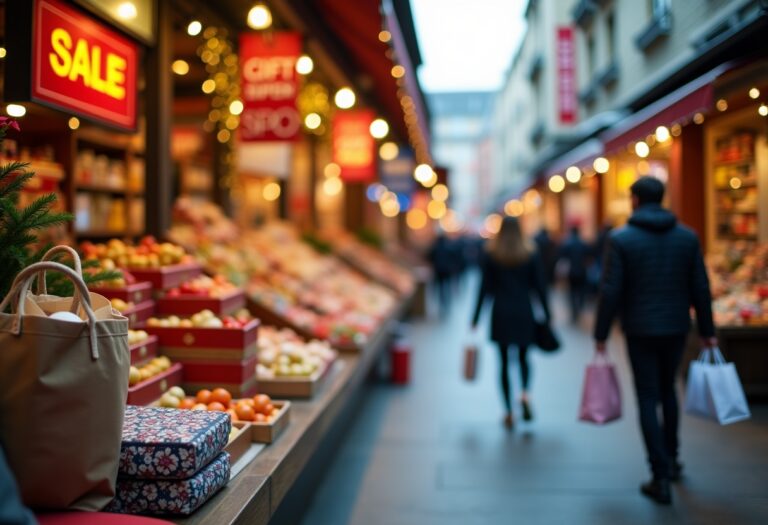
x,y
575,252
441,256
654,272
511,270
547,250
598,253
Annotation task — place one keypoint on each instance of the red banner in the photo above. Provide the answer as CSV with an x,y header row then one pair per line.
x,y
353,145
83,67
269,86
566,76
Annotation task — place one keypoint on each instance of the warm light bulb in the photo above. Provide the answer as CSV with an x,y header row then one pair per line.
x,y
127,11
332,186
763,110
313,121
735,183
3,52
73,123
304,65
431,181
557,183
416,219
259,17
642,150
662,134
345,98
271,191
754,93
398,71
390,207
573,174
514,208
385,36
698,118
423,173
209,86
194,28
601,165
440,192
389,151
493,222
379,128
180,67
236,107
332,170
721,104
15,110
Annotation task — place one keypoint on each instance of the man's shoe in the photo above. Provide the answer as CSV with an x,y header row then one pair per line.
x,y
658,490
675,471
527,414
509,421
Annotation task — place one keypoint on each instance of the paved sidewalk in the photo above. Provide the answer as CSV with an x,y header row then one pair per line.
x,y
435,452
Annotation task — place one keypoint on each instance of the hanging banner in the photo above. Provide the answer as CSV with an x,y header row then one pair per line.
x,y
567,100
397,174
353,145
81,66
269,86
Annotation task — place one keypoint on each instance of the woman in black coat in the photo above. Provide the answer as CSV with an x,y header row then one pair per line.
x,y
511,271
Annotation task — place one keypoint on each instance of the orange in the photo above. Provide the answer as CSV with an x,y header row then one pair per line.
x,y
221,395
268,409
187,403
260,403
244,411
260,418
232,415
203,396
216,406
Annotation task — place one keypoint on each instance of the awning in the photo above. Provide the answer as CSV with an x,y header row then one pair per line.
x,y
580,156
678,106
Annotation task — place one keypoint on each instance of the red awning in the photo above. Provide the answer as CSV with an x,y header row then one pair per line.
x,y
678,106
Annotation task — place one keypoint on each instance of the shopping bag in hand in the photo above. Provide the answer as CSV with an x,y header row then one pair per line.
x,y
714,390
601,396
470,362
65,384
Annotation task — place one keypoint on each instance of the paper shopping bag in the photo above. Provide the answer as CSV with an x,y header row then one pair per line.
x,y
725,391
64,386
697,399
601,395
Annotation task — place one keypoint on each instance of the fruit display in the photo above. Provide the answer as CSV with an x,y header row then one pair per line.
x,y
137,337
256,409
203,286
156,366
739,281
372,262
282,353
148,254
121,306
202,319
202,293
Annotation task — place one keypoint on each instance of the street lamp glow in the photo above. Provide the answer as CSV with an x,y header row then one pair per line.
x,y
16,110
642,150
313,121
573,174
379,128
345,98
259,17
662,134
556,183
389,151
304,65
601,165
194,28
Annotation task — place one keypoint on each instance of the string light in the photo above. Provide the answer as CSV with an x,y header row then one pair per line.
x,y
385,36
304,65
16,110
271,191
194,28
389,151
344,98
180,67
573,174
556,183
379,128
259,17
662,134
416,219
601,165
73,123
642,150
332,170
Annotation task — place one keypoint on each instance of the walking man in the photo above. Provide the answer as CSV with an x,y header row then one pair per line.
x,y
653,273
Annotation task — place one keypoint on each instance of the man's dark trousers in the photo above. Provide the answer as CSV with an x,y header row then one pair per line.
x,y
655,361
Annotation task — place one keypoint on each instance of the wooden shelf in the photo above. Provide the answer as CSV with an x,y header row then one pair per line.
x,y
744,186
98,188
737,212
739,162
103,234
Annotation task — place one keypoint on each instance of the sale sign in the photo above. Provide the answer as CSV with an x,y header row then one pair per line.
x,y
566,75
269,86
353,145
81,66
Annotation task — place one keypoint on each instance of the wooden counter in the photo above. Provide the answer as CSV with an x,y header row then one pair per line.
x,y
253,496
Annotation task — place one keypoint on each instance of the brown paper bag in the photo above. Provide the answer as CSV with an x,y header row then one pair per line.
x,y
64,386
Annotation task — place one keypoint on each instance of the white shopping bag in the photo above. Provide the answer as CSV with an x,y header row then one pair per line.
x,y
715,391
697,400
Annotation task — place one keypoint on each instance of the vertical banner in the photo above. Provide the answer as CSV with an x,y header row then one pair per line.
x,y
567,101
269,86
353,145
397,174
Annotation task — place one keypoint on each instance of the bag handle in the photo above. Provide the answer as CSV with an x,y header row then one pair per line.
x,y
704,355
42,287
23,282
717,356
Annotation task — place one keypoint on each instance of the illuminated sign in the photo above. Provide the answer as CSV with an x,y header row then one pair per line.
x,y
353,146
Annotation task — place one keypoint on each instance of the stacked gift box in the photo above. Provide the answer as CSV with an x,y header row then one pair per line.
x,y
171,461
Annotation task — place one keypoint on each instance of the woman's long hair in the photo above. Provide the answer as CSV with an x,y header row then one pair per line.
x,y
509,247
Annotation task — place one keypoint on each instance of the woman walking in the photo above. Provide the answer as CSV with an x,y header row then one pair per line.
x,y
511,271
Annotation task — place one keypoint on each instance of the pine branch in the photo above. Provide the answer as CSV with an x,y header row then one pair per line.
x,y
10,185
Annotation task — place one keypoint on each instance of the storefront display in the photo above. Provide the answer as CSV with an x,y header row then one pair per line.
x,y
739,282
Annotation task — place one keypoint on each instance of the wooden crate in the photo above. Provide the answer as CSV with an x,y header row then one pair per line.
x,y
148,391
268,432
295,387
240,442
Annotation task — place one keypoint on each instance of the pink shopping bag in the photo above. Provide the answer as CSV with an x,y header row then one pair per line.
x,y
601,396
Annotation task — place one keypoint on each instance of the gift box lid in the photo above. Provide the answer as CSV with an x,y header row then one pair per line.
x,y
179,497
167,443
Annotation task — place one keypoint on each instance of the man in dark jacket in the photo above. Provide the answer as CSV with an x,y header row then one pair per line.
x,y
653,273
575,251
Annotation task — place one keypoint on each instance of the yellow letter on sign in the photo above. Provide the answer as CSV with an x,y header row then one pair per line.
x,y
60,59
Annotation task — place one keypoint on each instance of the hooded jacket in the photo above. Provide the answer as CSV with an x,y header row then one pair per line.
x,y
653,273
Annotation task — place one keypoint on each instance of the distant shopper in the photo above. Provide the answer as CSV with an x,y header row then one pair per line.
x,y
598,252
547,249
575,252
511,270
653,273
442,257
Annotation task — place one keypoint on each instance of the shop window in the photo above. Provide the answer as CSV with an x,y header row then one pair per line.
x,y
659,26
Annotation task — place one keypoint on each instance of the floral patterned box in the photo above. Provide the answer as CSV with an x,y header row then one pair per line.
x,y
181,497
167,443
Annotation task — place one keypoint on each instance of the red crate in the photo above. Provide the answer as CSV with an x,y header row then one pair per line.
x,y
131,293
139,313
218,372
208,344
191,304
166,277
144,351
147,391
245,389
